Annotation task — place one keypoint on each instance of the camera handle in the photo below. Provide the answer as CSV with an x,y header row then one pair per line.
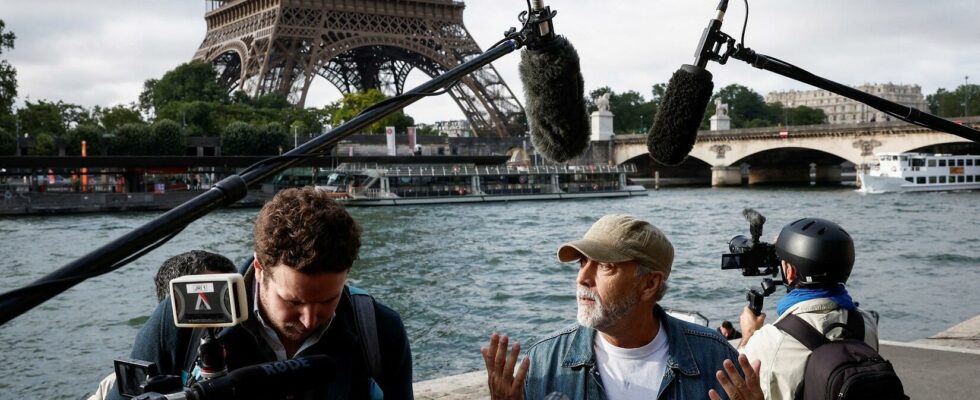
x,y
212,356
756,299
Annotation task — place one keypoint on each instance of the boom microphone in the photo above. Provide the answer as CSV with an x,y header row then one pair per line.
x,y
264,381
675,127
555,91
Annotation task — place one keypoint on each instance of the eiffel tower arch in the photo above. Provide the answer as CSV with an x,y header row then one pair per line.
x,y
282,46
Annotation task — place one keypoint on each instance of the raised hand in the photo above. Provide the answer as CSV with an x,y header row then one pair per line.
x,y
503,384
735,387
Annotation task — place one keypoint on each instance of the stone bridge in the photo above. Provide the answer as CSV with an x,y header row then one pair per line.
x,y
790,154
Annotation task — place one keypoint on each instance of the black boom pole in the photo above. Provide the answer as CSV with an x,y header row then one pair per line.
x,y
117,253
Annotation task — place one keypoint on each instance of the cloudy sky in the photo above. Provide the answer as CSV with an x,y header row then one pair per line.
x,y
99,52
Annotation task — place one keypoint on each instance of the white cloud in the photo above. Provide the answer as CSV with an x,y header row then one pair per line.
x,y
100,52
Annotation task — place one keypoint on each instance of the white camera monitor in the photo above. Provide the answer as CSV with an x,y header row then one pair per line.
x,y
208,300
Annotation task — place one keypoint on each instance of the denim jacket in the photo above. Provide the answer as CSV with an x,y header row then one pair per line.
x,y
565,362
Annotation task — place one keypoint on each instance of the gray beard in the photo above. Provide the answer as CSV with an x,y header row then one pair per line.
x,y
602,316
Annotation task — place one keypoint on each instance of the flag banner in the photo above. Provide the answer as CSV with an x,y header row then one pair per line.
x,y
390,135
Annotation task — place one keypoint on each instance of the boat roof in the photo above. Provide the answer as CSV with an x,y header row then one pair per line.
x,y
924,154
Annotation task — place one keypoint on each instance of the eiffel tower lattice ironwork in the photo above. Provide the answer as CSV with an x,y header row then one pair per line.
x,y
281,46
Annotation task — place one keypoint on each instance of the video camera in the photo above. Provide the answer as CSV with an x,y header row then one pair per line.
x,y
754,258
198,301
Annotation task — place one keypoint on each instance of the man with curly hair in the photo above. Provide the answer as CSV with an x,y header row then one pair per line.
x,y
300,305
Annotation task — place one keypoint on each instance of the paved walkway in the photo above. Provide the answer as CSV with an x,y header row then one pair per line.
x,y
942,367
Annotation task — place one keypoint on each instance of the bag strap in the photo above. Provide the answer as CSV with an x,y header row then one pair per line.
x,y
855,325
801,331
367,329
812,338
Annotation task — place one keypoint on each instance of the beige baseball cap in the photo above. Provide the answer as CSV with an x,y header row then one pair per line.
x,y
620,238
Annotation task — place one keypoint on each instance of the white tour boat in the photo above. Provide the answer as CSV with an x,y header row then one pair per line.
x,y
385,185
914,172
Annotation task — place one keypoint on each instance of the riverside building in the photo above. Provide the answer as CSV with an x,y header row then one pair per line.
x,y
842,110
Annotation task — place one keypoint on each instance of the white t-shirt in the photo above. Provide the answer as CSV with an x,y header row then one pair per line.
x,y
632,373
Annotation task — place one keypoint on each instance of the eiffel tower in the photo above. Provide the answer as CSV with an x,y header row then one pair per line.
x,y
281,46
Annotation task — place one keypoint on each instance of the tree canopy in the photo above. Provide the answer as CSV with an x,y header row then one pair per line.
x,y
632,112
8,88
964,101
749,109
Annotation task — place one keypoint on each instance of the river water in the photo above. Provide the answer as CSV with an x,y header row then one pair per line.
x,y
456,273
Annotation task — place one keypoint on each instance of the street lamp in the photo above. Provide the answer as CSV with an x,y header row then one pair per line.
x,y
966,93
295,137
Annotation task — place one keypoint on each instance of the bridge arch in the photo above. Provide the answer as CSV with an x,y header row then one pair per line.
x,y
792,164
692,171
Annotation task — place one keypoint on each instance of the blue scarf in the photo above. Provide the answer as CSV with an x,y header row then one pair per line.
x,y
838,295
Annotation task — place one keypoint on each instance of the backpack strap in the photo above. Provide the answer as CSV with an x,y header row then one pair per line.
x,y
855,325
811,338
801,331
367,329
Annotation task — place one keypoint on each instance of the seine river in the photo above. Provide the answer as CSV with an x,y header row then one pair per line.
x,y
456,273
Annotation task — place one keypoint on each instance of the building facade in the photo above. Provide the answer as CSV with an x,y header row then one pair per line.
x,y
842,110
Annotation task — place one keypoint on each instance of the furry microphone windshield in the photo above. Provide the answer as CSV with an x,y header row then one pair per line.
x,y
675,128
555,93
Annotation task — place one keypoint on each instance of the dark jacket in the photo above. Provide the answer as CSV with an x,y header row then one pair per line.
x,y
565,362
161,342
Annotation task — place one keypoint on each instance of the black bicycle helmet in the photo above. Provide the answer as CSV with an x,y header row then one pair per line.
x,y
821,251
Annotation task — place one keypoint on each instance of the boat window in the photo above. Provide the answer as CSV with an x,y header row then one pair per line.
x,y
942,163
932,163
920,180
918,162
969,178
909,179
942,179
969,162
904,158
960,179
932,179
959,163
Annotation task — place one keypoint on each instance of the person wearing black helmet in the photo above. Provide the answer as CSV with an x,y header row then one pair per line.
x,y
817,257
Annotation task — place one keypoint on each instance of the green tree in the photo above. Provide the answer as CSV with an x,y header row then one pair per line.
x,y
44,145
111,118
240,139
193,81
273,136
747,108
353,103
803,115
42,117
8,74
132,139
633,113
427,130
8,143
92,134
168,138
951,104
206,116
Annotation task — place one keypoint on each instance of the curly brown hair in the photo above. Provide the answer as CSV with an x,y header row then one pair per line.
x,y
308,231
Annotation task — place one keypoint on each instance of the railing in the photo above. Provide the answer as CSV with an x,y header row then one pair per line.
x,y
469,170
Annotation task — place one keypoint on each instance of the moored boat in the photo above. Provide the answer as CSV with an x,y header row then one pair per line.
x,y
399,184
914,172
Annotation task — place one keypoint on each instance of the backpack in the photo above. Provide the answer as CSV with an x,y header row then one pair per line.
x,y
846,368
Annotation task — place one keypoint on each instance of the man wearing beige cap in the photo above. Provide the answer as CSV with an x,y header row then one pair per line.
x,y
624,346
